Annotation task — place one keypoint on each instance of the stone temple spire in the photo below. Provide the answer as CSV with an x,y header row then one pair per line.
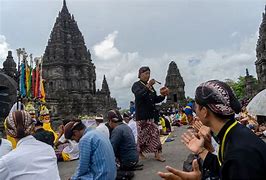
x,y
250,85
261,54
70,77
105,87
67,53
64,8
10,66
66,43
175,83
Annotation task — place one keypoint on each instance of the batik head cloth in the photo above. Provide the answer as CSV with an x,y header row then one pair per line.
x,y
19,124
217,96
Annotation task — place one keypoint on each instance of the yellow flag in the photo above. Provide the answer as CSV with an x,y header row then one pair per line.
x,y
42,91
28,80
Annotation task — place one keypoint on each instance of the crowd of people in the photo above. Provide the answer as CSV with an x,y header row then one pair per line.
x,y
223,144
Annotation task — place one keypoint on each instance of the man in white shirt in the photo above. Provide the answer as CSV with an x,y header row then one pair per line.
x,y
5,147
101,127
132,124
31,159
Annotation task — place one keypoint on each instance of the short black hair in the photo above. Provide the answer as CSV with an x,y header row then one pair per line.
x,y
114,116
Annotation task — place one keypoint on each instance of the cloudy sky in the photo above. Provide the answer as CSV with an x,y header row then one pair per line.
x,y
208,39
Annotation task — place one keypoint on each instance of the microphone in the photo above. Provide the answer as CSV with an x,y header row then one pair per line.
x,y
157,82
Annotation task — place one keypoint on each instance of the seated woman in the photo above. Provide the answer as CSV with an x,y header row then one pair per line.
x,y
66,149
31,159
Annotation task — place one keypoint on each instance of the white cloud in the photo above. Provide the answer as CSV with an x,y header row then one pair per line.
x,y
249,43
4,47
196,67
105,49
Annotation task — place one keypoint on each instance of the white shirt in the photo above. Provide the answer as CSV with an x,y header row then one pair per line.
x,y
72,149
30,160
103,129
133,126
5,147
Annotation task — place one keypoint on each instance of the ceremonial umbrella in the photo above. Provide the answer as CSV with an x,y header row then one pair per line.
x,y
257,106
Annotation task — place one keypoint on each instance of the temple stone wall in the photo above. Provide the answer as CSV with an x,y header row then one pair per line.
x,y
261,54
174,81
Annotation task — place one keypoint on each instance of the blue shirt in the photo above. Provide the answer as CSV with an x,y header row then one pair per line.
x,y
97,159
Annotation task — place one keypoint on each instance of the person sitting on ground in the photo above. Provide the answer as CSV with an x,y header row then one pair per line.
x,y
101,127
176,120
43,135
252,123
162,126
132,124
66,149
97,159
260,130
189,113
18,106
183,117
31,159
46,120
167,119
123,141
40,133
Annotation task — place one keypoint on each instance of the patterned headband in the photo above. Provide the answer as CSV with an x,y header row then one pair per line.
x,y
218,97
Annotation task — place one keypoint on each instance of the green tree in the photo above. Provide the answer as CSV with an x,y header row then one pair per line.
x,y
237,86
